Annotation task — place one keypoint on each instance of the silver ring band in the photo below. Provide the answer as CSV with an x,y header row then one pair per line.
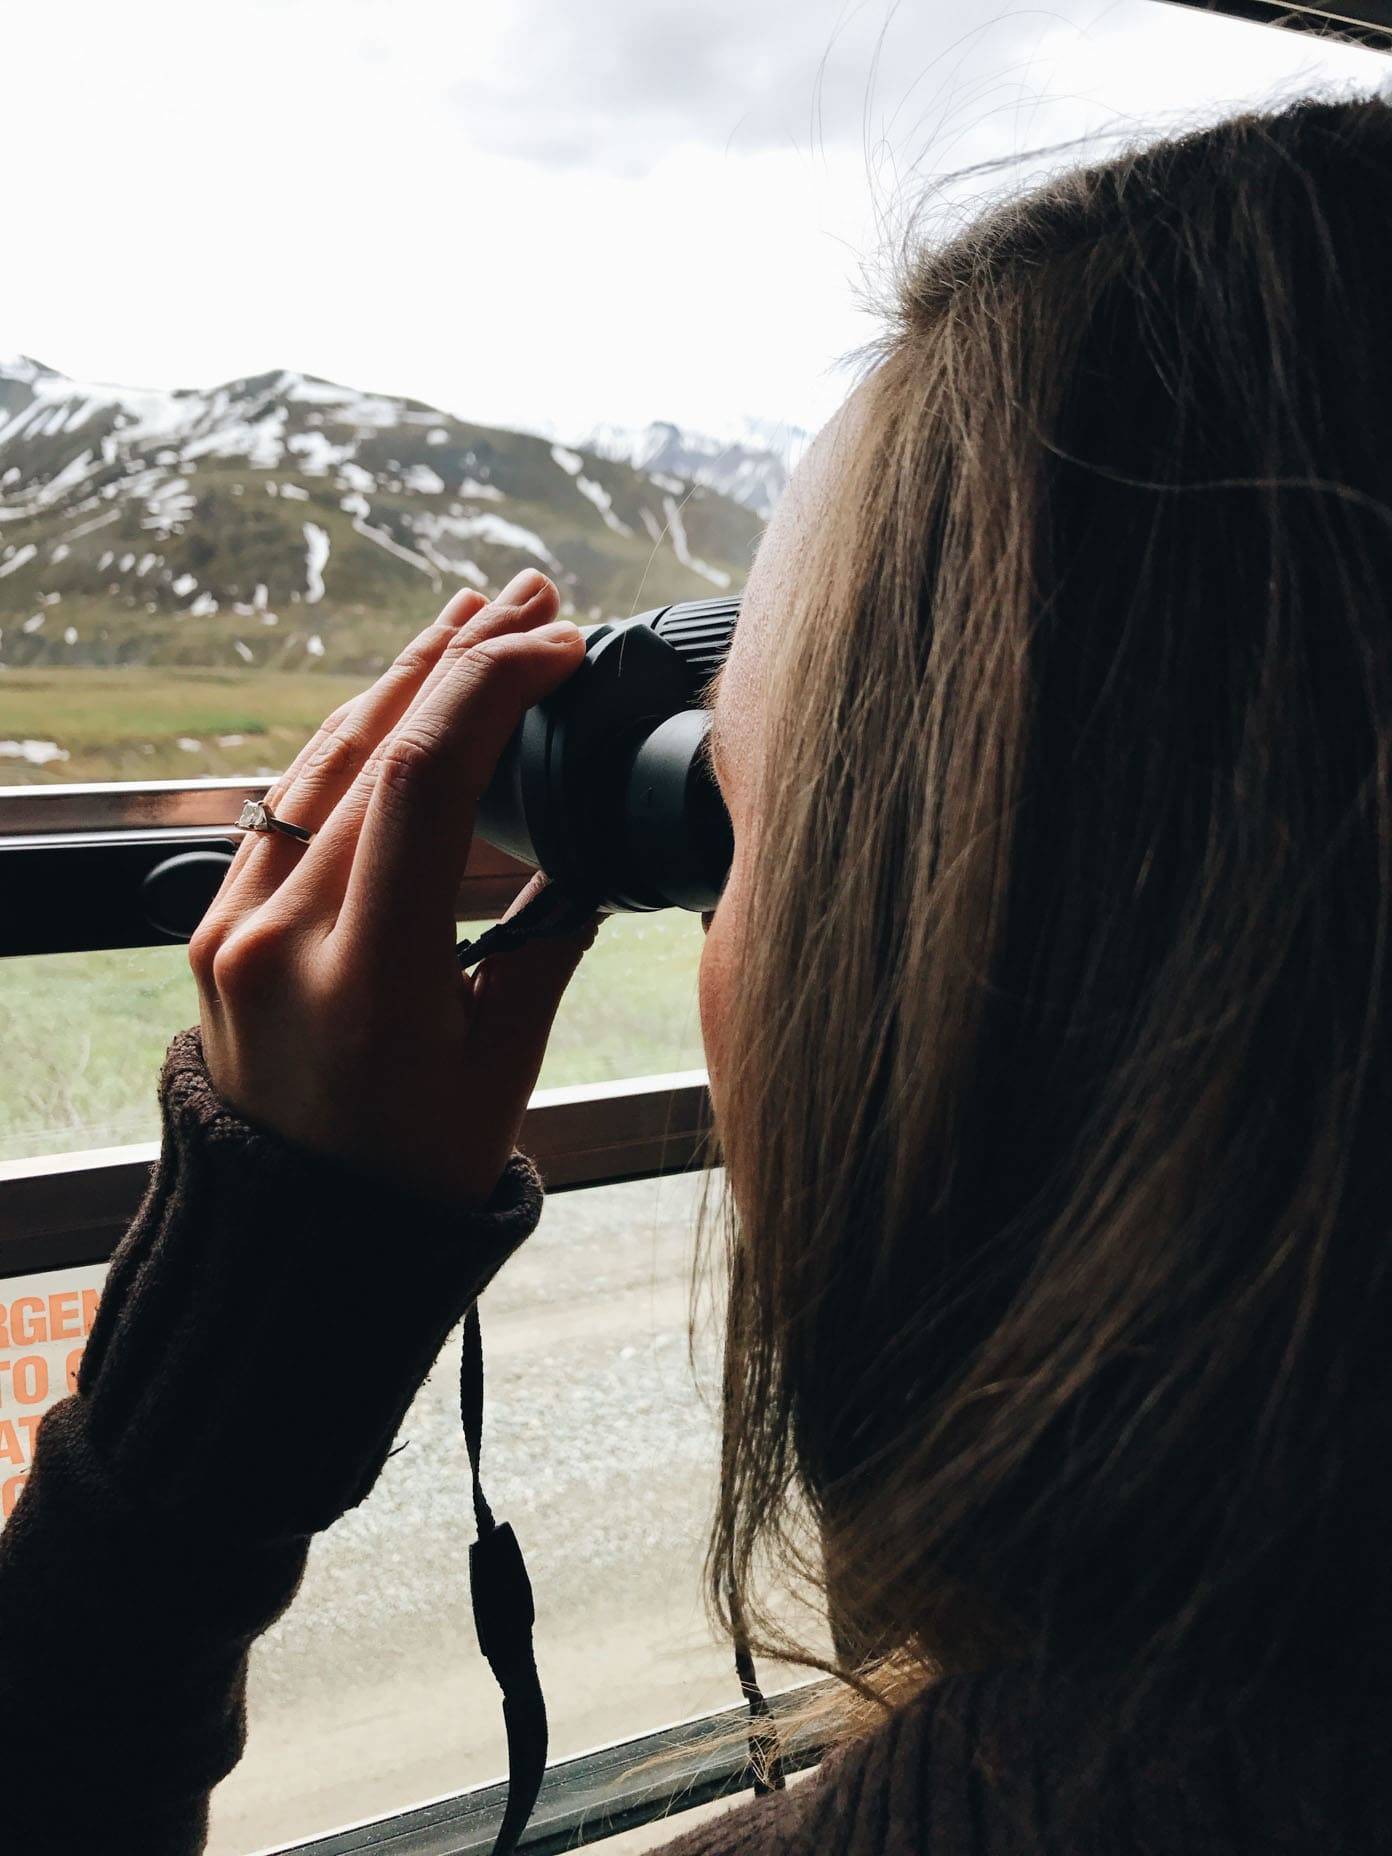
x,y
257,816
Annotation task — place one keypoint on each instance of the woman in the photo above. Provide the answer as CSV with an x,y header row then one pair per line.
x,y
1050,1042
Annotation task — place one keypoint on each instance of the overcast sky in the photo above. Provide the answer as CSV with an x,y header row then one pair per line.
x,y
537,212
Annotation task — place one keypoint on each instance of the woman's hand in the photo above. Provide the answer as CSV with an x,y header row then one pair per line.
x,y
333,1009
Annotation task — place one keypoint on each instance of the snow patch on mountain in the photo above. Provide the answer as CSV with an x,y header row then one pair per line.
x,y
362,527
316,560
317,455
19,367
422,480
752,464
167,507
603,502
486,527
676,528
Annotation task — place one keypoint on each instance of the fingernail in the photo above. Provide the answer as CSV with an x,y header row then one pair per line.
x,y
559,631
460,608
521,588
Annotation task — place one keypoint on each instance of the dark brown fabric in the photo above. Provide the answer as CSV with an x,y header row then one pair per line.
x,y
135,1573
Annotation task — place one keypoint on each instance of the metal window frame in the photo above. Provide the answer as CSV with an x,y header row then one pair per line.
x,y
1359,22
591,1797
73,859
58,1210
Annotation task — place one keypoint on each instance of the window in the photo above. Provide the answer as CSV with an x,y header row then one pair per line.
x,y
370,1695
85,1033
343,314
509,289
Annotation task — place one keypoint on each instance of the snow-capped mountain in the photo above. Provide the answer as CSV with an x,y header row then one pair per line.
x,y
752,465
282,520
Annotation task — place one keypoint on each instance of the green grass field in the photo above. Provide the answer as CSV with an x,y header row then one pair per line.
x,y
130,724
84,1034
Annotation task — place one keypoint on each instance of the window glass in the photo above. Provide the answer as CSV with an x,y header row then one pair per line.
x,y
507,286
84,1034
600,1448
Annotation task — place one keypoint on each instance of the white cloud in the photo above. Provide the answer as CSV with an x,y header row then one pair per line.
x,y
534,213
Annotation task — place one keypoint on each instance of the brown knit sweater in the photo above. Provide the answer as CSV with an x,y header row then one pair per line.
x,y
134,1580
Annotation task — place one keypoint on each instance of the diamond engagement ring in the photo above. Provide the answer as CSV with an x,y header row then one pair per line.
x,y
258,816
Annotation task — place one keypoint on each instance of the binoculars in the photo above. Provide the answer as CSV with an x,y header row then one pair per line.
x,y
607,785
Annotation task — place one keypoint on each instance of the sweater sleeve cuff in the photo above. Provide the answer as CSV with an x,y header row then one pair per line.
x,y
270,1315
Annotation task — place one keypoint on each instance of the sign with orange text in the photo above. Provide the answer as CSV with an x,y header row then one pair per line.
x,y
44,1324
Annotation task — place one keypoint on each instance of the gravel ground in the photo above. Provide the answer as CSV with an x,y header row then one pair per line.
x,y
599,1446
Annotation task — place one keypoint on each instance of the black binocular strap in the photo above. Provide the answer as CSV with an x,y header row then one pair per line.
x,y
764,1757
503,1614
553,910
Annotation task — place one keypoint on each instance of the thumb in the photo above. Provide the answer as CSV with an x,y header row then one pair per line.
x,y
516,997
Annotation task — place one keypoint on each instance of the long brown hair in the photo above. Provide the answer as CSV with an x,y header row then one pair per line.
x,y
1059,1096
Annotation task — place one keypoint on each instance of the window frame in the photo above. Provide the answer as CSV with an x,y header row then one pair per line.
x,y
61,1210
1360,22
588,1798
73,859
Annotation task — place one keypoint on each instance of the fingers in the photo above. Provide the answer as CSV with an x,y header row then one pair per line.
x,y
392,690
418,825
527,601
516,996
322,776
326,766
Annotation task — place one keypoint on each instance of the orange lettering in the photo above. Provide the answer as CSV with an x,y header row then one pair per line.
x,y
29,1423
9,1495
90,1298
64,1315
10,1446
31,1379
27,1320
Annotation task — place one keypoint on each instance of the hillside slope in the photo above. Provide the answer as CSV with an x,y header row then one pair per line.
x,y
283,522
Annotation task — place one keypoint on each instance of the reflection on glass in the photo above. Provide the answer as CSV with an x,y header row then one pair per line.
x,y
84,1034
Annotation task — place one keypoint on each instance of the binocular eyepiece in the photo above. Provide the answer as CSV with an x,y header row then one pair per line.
x,y
607,785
